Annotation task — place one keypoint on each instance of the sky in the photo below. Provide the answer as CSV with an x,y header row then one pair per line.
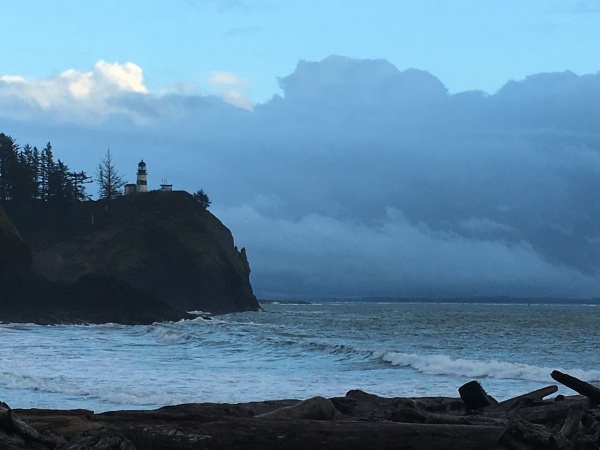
x,y
356,149
179,44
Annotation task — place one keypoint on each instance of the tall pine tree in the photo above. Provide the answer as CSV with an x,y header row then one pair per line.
x,y
46,168
109,181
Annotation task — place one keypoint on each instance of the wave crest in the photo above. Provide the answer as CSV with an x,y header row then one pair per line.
x,y
444,365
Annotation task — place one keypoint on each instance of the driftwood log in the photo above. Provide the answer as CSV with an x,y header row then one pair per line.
x,y
538,394
519,434
182,431
357,421
15,433
572,424
583,388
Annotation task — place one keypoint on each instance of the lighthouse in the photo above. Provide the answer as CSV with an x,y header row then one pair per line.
x,y
142,178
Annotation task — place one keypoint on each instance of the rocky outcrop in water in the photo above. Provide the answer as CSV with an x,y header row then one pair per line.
x,y
161,242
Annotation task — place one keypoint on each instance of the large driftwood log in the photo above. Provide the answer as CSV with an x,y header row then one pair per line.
x,y
547,413
538,394
572,422
316,408
522,435
583,388
174,432
12,428
363,421
409,414
242,433
105,439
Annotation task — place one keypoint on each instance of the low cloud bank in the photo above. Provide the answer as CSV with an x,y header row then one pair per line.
x,y
361,179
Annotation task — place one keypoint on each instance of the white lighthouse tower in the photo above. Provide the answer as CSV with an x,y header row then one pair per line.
x,y
142,178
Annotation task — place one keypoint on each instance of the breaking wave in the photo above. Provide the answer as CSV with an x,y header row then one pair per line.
x,y
447,366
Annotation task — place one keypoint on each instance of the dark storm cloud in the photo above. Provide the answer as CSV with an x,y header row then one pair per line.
x,y
363,180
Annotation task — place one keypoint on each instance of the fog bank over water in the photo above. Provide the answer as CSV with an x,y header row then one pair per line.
x,y
360,179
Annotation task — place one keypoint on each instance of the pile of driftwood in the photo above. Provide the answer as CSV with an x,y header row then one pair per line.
x,y
359,420
533,423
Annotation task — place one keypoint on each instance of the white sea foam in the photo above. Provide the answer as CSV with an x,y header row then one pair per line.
x,y
290,352
444,365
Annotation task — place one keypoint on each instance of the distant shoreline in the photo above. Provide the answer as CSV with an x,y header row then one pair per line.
x,y
456,300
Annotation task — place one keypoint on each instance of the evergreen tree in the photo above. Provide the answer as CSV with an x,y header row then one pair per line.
x,y
59,183
9,166
109,181
21,181
46,168
37,161
29,172
202,198
78,181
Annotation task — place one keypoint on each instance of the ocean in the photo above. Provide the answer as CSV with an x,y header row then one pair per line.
x,y
300,351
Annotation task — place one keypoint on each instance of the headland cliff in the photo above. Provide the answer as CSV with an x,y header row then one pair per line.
x,y
157,251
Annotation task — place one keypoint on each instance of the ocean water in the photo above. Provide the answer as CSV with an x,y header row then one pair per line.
x,y
299,351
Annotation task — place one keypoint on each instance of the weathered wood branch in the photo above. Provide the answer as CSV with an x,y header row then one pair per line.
x,y
572,422
415,415
538,394
522,435
583,388
547,413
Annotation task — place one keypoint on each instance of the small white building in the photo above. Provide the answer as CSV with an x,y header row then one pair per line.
x,y
129,188
166,187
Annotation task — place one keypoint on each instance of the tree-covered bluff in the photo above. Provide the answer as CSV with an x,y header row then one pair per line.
x,y
138,258
162,242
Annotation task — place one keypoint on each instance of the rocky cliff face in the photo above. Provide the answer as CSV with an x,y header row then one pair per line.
x,y
15,257
162,242
29,297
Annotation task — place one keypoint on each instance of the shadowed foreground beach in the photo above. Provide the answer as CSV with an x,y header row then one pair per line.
x,y
358,420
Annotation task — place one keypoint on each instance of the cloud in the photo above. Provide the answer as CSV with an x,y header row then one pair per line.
x,y
322,256
226,78
12,79
360,179
109,90
71,94
228,85
127,77
236,98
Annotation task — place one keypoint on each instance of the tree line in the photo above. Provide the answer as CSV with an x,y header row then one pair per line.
x,y
31,174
